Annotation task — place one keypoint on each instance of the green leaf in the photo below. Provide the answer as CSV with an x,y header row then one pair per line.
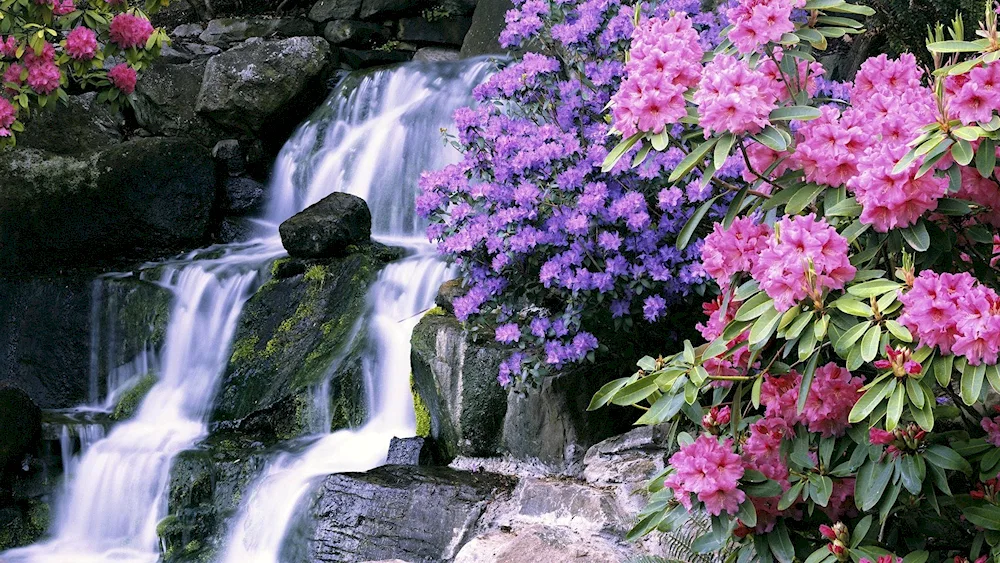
x,y
986,158
870,342
993,376
798,113
895,408
695,157
767,489
962,152
791,495
968,133
684,237
943,368
866,404
822,490
916,236
747,514
722,149
916,557
781,544
873,288
860,531
754,307
954,207
772,139
763,328
803,198
909,475
946,458
620,149
972,383
956,46
872,480
853,307
665,408
605,393
987,516
898,330
846,208
807,377
635,392
851,336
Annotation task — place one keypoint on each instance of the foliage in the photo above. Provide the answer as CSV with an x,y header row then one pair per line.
x,y
52,48
848,360
554,251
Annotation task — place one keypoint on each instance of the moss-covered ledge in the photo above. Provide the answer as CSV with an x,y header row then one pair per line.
x,y
290,333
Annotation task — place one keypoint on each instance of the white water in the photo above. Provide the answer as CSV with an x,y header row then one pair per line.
x,y
372,143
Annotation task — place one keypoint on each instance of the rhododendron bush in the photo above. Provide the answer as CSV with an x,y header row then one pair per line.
x,y
52,48
844,390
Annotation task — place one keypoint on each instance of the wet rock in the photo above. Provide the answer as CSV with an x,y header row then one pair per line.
x,y
488,21
418,514
163,102
382,9
229,31
138,198
444,31
356,34
202,50
458,383
169,55
82,125
20,428
632,457
404,451
242,195
187,31
328,227
358,59
259,82
231,156
447,293
436,55
289,334
326,10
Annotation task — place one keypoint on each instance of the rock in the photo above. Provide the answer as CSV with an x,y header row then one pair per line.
x,y
358,59
83,125
242,195
348,33
290,331
229,31
418,514
202,50
163,102
436,55
629,458
187,31
384,9
250,85
540,543
231,156
404,451
135,199
20,428
236,229
445,31
326,10
551,424
488,21
327,227
447,293
169,55
458,383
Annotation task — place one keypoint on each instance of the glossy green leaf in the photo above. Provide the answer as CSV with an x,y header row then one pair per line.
x,y
798,113
684,237
872,398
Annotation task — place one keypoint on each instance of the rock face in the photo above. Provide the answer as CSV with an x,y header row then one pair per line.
x,y
487,23
164,102
418,514
248,86
326,10
143,197
326,228
229,31
82,125
458,383
20,428
290,332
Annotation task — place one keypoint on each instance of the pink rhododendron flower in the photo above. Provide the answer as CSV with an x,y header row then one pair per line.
x,y
8,115
881,75
804,257
756,22
81,44
974,97
128,30
891,200
47,55
779,395
762,449
44,77
829,147
63,7
992,428
664,62
733,97
832,395
123,77
732,250
8,47
711,471
841,501
761,159
13,75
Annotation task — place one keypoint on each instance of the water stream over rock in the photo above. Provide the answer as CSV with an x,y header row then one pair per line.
x,y
372,138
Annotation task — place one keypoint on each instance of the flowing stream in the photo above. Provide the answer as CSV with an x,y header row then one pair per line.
x,y
372,138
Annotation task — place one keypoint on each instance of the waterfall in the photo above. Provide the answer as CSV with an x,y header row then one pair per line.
x,y
373,143
372,138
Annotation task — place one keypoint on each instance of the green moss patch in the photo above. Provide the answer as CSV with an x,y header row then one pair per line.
x,y
129,402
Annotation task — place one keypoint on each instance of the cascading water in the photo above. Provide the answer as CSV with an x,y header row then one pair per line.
x,y
372,141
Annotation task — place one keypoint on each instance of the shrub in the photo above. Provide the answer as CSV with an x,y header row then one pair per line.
x,y
51,48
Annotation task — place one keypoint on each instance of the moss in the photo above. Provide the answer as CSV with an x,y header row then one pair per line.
x,y
316,274
168,526
244,349
129,402
276,265
40,516
435,312
420,408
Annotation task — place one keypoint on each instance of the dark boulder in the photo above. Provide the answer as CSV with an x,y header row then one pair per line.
x,y
458,383
347,33
358,59
443,31
242,195
136,199
417,514
326,228
20,428
488,21
79,126
163,102
229,31
326,10
448,293
231,157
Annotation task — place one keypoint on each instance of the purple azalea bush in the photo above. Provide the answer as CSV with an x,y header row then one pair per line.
x,y
553,251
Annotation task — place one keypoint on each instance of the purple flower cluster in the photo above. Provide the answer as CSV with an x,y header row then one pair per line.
x,y
548,245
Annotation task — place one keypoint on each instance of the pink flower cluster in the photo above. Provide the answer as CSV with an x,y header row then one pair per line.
x,y
955,313
803,258
832,395
128,30
731,363
710,470
982,191
891,200
44,75
992,428
123,77
973,96
733,97
81,44
8,115
63,7
8,47
664,63
732,250
756,22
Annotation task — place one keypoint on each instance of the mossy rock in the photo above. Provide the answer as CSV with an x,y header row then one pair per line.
x,y
130,400
23,523
290,333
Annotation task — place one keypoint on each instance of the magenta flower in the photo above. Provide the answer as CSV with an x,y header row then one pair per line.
x,y
123,77
710,470
128,30
81,44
